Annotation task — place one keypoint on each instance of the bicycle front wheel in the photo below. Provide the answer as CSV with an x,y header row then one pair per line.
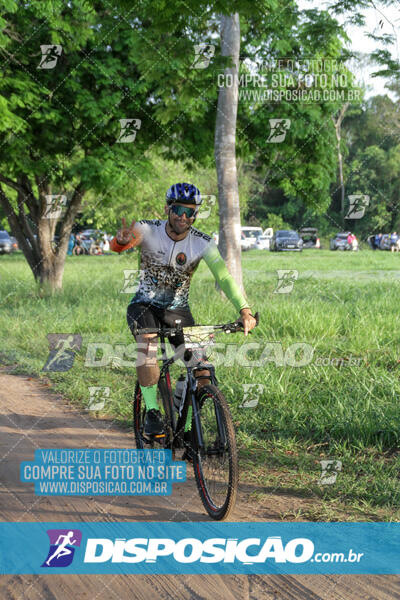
x,y
215,460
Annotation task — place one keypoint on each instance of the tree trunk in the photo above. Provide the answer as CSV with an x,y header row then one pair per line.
x,y
224,150
45,260
338,125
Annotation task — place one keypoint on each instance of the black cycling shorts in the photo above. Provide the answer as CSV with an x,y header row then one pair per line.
x,y
150,316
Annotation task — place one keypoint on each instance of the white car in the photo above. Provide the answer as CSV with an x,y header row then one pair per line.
x,y
263,242
249,237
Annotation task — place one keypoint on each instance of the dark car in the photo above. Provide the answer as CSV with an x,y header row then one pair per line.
x,y
285,239
339,242
385,242
6,245
382,243
309,235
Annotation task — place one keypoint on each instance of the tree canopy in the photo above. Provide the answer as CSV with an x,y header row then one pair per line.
x,y
102,104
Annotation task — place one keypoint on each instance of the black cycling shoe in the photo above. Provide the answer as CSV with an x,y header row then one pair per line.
x,y
153,424
187,442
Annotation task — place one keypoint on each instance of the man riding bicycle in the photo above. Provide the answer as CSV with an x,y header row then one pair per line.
x,y
170,252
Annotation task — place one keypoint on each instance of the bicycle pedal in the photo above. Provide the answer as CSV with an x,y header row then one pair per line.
x,y
153,437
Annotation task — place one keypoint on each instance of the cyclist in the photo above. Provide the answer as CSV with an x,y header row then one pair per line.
x,y
170,251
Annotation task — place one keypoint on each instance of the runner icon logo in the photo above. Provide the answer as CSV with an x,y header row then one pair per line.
x,y
62,547
203,55
63,347
50,55
278,130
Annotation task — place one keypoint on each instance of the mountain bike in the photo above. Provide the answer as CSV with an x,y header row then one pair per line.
x,y
211,444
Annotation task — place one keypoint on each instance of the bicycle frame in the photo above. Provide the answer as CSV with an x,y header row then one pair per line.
x,y
189,397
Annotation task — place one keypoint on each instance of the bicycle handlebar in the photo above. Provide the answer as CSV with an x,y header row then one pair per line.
x,y
226,328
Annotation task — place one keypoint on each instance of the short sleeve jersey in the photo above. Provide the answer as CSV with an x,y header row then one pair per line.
x,y
166,266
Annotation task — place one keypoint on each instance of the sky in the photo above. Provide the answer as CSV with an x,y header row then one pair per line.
x,y
379,21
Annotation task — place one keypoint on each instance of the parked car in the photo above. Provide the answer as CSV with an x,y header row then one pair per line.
x,y
6,246
339,242
263,242
385,242
310,238
249,237
285,239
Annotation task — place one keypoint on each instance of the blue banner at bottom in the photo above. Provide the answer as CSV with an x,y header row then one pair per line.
x,y
197,548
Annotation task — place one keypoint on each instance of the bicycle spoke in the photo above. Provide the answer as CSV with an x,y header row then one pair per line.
x,y
215,464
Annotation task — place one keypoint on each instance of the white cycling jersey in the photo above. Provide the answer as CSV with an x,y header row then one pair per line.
x,y
166,265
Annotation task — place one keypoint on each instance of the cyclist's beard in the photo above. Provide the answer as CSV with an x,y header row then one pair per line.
x,y
185,226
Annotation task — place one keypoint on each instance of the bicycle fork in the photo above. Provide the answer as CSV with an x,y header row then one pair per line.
x,y
198,438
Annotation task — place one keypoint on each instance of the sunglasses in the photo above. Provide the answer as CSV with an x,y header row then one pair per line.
x,y
179,210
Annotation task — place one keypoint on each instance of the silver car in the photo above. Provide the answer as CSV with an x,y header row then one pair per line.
x,y
6,245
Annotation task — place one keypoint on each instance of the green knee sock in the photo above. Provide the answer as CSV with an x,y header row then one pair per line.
x,y
188,424
149,394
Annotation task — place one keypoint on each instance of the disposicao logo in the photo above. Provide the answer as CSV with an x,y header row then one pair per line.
x,y
62,547
190,550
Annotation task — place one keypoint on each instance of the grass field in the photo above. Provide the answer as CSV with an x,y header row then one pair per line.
x,y
344,306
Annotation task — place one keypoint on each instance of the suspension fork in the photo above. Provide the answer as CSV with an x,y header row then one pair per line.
x,y
192,388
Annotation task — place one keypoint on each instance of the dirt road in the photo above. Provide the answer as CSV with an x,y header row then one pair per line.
x,y
32,417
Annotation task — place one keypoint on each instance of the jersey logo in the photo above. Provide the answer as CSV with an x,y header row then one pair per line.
x,y
198,233
181,258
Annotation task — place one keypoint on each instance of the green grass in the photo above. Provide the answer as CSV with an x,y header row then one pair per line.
x,y
343,305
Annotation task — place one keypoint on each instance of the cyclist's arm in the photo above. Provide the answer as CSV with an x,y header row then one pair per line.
x,y
135,241
224,279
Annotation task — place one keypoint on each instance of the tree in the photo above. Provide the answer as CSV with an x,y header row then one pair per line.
x,y
293,172
371,167
69,94
146,193
225,150
338,128
303,168
141,67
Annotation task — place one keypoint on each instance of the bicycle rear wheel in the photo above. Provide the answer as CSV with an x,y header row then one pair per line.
x,y
216,463
139,414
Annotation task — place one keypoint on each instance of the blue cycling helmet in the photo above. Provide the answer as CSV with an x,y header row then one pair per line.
x,y
186,193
